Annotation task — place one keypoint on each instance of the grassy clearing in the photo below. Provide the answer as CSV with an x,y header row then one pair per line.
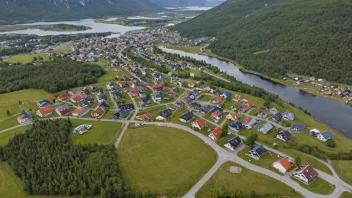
x,y
63,48
245,182
346,195
307,159
100,133
318,186
163,161
13,110
8,123
195,49
12,98
265,161
343,169
25,58
5,137
206,98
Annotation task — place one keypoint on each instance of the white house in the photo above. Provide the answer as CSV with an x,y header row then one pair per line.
x,y
283,165
305,173
325,136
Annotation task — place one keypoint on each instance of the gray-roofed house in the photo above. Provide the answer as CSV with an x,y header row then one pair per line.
x,y
284,135
288,116
298,127
277,117
324,136
265,128
187,117
256,152
164,115
233,143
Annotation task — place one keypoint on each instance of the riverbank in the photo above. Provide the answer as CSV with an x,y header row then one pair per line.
x,y
290,83
55,27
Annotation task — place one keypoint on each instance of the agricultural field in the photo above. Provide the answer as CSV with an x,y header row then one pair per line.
x,y
169,161
343,169
100,133
25,58
6,136
223,182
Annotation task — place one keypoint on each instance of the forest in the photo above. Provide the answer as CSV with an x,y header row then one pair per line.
x,y
53,76
309,37
48,164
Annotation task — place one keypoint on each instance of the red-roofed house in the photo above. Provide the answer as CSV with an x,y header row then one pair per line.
x,y
63,97
217,115
305,173
283,165
244,108
246,120
146,116
250,103
76,98
158,87
217,100
80,112
237,98
62,110
232,116
215,134
45,111
51,99
98,113
199,124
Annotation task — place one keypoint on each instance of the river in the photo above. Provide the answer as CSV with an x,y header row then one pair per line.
x,y
333,113
96,28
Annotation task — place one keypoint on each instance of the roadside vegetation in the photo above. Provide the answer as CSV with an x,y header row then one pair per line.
x,y
169,161
343,167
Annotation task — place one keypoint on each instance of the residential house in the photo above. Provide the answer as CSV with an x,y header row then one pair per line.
x,y
190,84
43,103
249,122
76,98
244,108
236,125
205,109
233,143
284,135
176,106
164,115
84,103
237,98
215,134
145,117
63,97
98,113
273,111
265,128
288,116
217,115
25,117
298,127
158,87
305,173
225,94
62,110
125,107
187,117
51,99
232,116
277,117
256,152
144,101
45,111
283,165
324,136
314,132
199,124
122,114
263,113
217,100
80,112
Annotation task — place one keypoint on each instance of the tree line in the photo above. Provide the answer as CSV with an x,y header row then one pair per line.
x,y
48,164
52,76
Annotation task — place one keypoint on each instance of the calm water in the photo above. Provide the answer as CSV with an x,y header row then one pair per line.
x,y
333,113
96,28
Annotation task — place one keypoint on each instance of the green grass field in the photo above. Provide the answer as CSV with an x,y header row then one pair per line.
x,y
307,159
265,161
163,161
6,136
12,98
318,186
25,58
100,133
8,123
245,182
343,169
346,195
13,110
63,48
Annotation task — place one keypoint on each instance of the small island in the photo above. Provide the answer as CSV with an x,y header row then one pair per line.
x,y
55,27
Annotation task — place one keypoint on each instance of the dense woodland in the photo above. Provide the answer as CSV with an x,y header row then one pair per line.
x,y
52,76
48,164
306,37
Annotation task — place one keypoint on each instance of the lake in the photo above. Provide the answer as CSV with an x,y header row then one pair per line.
x,y
96,28
335,114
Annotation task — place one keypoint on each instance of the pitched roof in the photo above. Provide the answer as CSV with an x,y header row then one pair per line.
x,y
246,120
46,110
308,172
285,163
77,98
233,115
158,86
201,123
144,116
327,135
217,132
79,110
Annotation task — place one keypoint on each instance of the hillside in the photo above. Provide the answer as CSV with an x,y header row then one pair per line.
x,y
20,11
306,37
183,3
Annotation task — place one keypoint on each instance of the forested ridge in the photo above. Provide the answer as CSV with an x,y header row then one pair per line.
x,y
306,37
48,164
50,76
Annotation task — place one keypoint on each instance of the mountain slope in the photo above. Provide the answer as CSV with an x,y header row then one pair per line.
x,y
308,37
14,11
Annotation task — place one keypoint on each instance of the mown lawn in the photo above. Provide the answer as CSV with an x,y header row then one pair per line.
x,y
12,98
265,161
206,98
318,186
343,169
13,110
245,183
6,136
8,123
100,133
63,48
25,58
307,159
163,161
346,195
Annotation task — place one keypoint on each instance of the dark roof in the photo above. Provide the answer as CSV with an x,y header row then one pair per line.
x,y
286,135
104,104
327,135
299,126
259,149
187,116
165,113
236,125
216,109
125,107
234,142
